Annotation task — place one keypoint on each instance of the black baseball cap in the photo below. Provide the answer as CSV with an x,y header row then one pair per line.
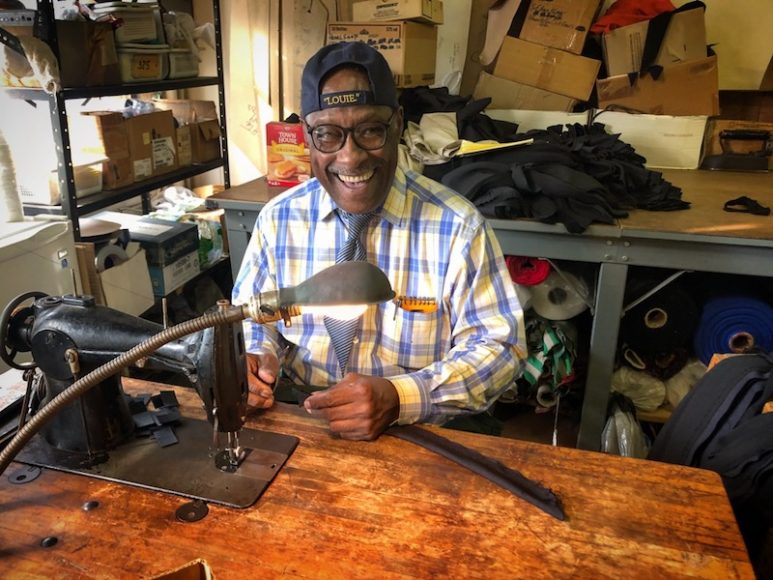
x,y
382,85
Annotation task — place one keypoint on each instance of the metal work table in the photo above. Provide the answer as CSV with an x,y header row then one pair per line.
x,y
703,238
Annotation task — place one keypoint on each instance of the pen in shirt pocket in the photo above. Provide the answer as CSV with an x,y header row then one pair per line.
x,y
423,304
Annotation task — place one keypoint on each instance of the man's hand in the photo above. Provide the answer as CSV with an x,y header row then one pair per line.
x,y
359,407
262,370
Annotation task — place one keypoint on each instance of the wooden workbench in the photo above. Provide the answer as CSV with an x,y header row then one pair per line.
x,y
385,509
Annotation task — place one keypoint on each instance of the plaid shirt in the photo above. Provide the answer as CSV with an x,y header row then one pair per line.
x,y
430,242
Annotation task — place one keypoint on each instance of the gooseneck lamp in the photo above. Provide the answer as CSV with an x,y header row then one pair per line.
x,y
341,285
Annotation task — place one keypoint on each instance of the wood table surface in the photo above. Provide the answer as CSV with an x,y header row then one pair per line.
x,y
384,509
707,192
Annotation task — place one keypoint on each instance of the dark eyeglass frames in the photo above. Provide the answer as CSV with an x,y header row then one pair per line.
x,y
368,136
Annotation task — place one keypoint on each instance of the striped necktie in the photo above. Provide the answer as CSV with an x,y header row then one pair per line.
x,y
342,331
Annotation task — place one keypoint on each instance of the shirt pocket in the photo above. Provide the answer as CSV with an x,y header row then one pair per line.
x,y
418,336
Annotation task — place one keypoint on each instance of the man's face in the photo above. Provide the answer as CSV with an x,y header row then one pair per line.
x,y
357,180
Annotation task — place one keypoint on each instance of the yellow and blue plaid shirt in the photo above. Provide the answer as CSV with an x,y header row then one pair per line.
x,y
430,242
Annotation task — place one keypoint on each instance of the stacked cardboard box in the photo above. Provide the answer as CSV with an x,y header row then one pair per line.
x,y
678,78
198,130
404,31
542,68
136,148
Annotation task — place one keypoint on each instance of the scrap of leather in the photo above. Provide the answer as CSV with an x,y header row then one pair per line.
x,y
745,204
496,472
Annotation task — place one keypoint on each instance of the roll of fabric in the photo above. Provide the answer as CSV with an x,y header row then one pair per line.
x,y
560,297
734,324
663,322
527,271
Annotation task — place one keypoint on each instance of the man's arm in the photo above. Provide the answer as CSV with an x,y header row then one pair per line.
x,y
485,355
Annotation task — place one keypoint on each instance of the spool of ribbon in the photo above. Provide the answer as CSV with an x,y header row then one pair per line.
x,y
734,324
660,323
527,271
560,297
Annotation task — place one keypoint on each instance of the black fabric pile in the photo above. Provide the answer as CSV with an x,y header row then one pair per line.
x,y
720,426
575,175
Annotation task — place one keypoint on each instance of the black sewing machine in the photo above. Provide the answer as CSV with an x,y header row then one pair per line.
x,y
106,434
83,421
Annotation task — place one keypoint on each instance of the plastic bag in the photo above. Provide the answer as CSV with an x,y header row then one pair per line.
x,y
646,392
622,434
680,384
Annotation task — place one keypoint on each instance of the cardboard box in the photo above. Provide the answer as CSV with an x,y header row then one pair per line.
x,y
153,144
163,241
562,24
664,141
114,144
184,151
623,48
684,40
204,132
507,94
87,53
476,40
167,279
287,155
125,287
187,111
408,47
547,68
429,11
689,88
205,141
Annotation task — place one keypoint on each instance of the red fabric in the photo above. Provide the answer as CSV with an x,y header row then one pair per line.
x,y
625,12
527,271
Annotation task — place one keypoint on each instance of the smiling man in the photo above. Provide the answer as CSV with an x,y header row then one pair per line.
x,y
391,364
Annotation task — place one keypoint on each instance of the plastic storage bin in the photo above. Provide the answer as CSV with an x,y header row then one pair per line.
x,y
183,64
139,21
143,62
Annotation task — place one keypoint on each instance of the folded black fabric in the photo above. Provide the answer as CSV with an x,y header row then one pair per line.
x,y
416,101
731,392
575,175
510,479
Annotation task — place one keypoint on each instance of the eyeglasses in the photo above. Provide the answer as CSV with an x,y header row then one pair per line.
x,y
368,136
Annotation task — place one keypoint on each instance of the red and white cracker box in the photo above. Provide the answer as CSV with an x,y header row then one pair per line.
x,y
288,157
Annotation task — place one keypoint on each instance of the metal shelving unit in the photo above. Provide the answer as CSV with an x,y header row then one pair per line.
x,y
74,207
